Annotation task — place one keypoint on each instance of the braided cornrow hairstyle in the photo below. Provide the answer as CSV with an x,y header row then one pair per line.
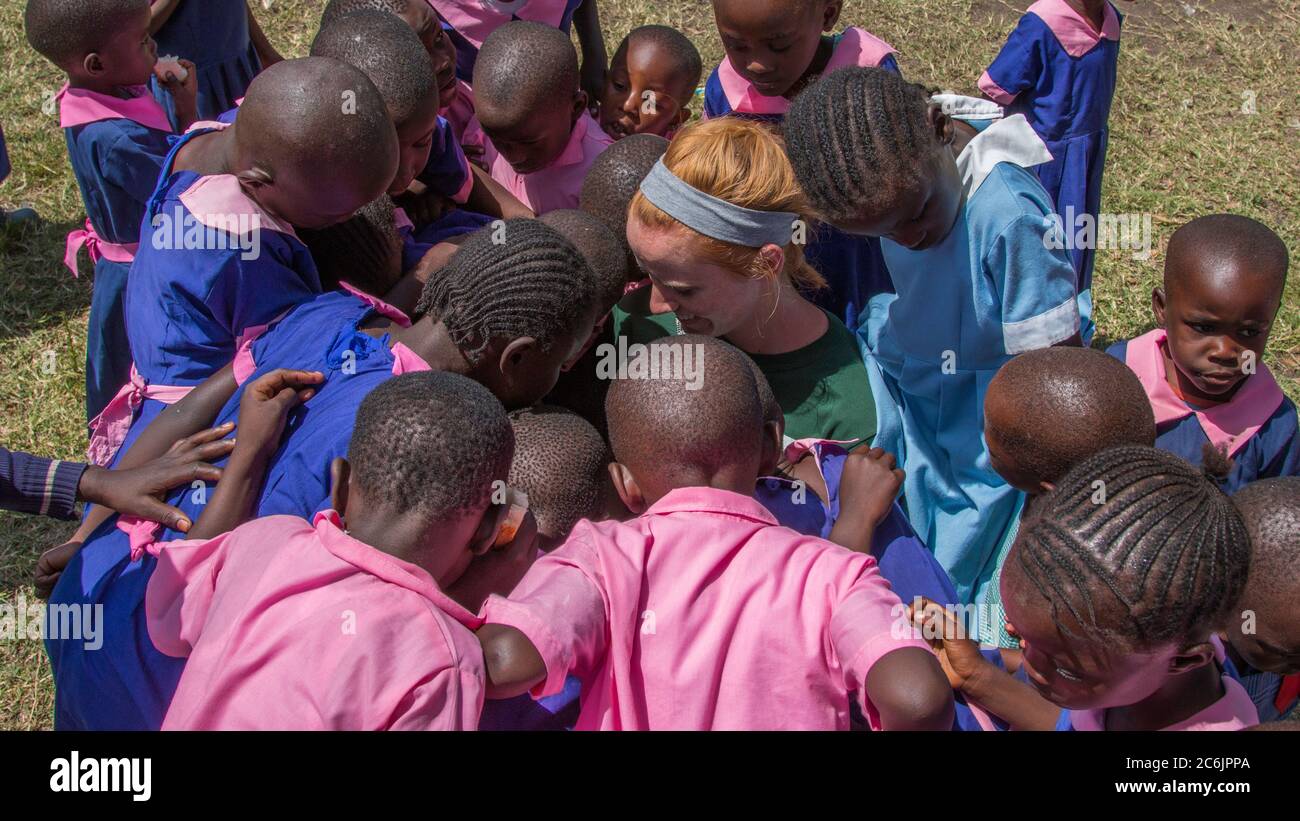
x,y
1149,528
856,138
509,280
364,250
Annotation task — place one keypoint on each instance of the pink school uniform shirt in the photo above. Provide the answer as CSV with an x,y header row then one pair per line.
x,y
703,613
557,186
295,625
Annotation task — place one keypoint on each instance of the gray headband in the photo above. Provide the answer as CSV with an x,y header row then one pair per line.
x,y
713,217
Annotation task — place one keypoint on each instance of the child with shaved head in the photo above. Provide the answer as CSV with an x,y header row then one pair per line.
x,y
538,138
1203,367
242,191
1045,412
684,618
1264,640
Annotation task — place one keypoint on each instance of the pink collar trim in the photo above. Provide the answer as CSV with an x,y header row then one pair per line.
x,y
218,201
1234,711
406,360
711,500
329,529
78,106
1075,34
382,308
574,151
856,47
1230,425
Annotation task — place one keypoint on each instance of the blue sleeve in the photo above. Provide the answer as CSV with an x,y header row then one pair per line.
x,y
1036,286
32,484
250,292
1287,460
447,171
1018,65
715,99
890,64
133,168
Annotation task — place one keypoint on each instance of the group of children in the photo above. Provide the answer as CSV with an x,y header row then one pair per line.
x,y
398,268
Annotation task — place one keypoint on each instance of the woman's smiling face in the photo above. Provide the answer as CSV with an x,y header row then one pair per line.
x,y
708,298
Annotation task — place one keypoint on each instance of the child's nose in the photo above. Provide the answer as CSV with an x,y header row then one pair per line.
x,y
659,303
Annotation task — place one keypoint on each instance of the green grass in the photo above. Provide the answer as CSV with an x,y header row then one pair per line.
x,y
1181,147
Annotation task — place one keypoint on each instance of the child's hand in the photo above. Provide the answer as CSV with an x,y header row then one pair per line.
x,y
264,408
475,153
434,260
868,485
498,570
138,491
959,656
50,566
181,80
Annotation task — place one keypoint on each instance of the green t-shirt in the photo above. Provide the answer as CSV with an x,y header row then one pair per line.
x,y
822,388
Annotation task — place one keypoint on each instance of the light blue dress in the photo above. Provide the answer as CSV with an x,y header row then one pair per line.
x,y
989,290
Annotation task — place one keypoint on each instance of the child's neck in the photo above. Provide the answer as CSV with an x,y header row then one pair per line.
x,y
100,87
208,154
1180,698
825,50
429,341
787,322
1094,11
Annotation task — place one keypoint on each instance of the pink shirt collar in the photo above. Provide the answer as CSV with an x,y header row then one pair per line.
x,y
574,151
218,200
380,307
1230,425
1075,34
79,106
406,360
856,47
329,529
1234,711
711,500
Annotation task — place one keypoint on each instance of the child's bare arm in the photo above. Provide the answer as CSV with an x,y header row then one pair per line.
x,y
263,412
976,678
909,691
160,11
595,62
513,664
491,197
266,52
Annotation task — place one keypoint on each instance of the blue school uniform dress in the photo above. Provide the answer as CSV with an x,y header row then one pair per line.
x,y
127,683
214,35
211,265
116,147
471,21
853,266
1257,427
933,348
1060,72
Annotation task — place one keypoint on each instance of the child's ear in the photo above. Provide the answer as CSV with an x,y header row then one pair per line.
x,y
944,129
515,354
340,477
580,104
1158,305
255,178
489,525
628,491
831,15
1192,658
93,64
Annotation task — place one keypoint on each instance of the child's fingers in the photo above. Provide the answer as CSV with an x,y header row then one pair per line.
x,y
211,451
